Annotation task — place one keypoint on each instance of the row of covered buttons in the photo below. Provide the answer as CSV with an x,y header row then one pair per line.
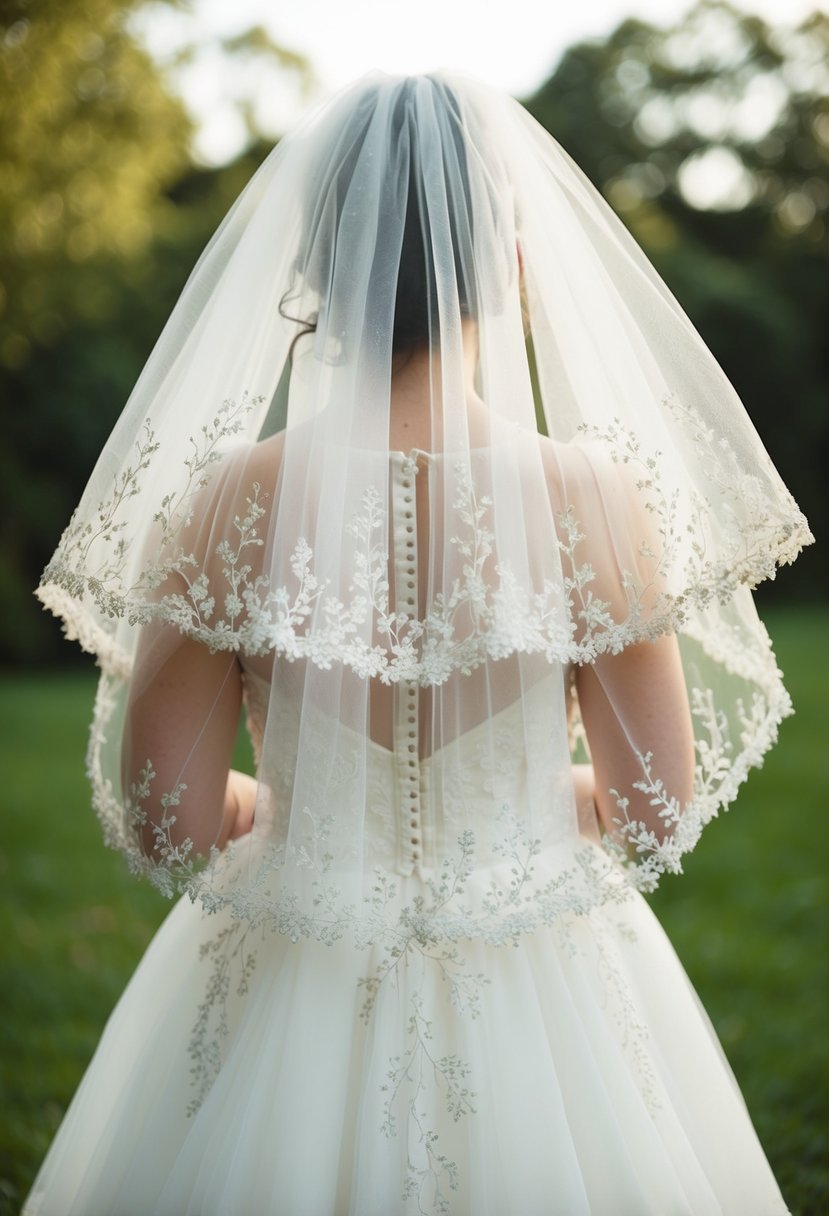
x,y
409,469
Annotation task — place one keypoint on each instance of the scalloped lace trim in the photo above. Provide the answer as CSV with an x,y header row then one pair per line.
x,y
564,619
529,890
509,618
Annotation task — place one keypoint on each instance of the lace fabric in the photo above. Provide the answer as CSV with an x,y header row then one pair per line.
x,y
416,629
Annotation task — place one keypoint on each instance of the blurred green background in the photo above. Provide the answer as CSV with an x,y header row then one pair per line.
x,y
103,212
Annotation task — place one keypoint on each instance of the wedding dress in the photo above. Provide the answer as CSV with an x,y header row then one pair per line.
x,y
579,1075
425,980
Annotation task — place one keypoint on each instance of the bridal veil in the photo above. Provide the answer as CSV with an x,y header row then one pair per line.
x,y
592,485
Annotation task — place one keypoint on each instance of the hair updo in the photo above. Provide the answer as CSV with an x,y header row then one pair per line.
x,y
336,183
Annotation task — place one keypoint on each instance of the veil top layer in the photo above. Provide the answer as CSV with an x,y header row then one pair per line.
x,y
412,622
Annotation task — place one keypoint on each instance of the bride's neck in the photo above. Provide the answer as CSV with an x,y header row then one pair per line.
x,y
417,386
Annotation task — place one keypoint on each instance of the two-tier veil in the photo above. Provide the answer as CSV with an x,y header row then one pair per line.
x,y
250,500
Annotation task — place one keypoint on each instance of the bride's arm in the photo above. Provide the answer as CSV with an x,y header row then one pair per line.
x,y
240,804
635,702
632,703
182,718
584,787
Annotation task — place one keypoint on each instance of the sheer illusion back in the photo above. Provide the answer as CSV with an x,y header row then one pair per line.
x,y
440,760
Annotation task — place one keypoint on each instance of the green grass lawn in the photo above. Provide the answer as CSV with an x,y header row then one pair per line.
x,y
749,921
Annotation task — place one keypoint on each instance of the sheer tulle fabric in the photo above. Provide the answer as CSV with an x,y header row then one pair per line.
x,y
565,1106
397,604
441,642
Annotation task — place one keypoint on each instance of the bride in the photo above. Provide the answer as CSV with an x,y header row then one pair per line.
x,y
430,477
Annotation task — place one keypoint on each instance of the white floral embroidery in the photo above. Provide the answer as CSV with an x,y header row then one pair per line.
x,y
428,1169
508,908
233,967
424,1075
484,614
499,881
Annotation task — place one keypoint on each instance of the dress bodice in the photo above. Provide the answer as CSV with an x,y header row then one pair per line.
x,y
415,809
419,797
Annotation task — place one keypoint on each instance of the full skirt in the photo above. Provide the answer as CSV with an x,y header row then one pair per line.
x,y
242,1074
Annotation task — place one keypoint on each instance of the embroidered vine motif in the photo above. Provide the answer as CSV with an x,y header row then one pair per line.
x,y
720,770
427,1174
226,951
192,612
480,616
494,888
415,957
724,471
416,1074
92,556
634,1033
422,1076
754,540
518,902
70,567
171,856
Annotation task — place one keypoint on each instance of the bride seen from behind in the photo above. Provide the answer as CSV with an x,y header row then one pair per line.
x,y
496,682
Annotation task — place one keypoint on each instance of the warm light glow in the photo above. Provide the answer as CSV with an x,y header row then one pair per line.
x,y
513,46
716,179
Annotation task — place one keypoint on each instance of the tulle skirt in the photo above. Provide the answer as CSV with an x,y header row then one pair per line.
x,y
245,1075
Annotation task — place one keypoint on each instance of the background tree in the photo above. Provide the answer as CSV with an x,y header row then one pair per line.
x,y
102,215
90,140
711,140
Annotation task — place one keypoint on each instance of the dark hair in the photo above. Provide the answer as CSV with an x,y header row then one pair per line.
x,y
415,303
415,297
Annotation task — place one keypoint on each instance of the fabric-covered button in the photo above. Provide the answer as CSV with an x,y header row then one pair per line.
x,y
407,693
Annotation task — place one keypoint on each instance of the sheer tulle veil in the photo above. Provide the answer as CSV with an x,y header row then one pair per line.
x,y
250,500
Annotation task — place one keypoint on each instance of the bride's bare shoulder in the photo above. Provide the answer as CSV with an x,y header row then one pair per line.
x,y
568,463
606,495
254,463
266,457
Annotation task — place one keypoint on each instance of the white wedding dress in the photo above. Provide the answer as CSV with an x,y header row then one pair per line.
x,y
419,985
573,1073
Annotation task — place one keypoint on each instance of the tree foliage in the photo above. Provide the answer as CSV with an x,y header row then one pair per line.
x,y
102,215
90,141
